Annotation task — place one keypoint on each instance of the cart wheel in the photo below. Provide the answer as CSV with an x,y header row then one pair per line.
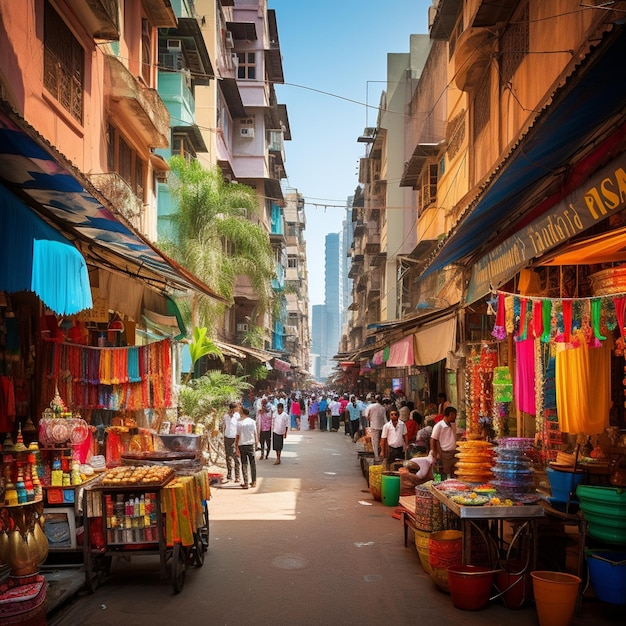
x,y
178,567
96,571
198,552
204,531
91,579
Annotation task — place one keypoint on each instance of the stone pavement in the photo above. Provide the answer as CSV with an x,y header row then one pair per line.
x,y
308,545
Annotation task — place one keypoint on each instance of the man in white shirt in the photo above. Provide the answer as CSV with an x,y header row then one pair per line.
x,y
443,442
245,443
335,415
280,426
229,429
393,439
376,418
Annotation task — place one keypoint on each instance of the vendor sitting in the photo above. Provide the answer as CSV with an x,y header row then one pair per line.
x,y
416,472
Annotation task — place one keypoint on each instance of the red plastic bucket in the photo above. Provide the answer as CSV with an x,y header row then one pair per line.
x,y
470,586
514,584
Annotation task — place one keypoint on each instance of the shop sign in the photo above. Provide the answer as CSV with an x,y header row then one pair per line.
x,y
603,195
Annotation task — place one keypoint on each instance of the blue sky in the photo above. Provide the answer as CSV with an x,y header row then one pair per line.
x,y
338,47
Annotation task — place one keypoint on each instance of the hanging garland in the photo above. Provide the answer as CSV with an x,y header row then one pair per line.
x,y
127,378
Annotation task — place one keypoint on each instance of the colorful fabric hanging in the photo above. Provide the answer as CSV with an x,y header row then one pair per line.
x,y
525,375
620,305
499,330
566,306
596,306
522,319
537,319
546,309
583,387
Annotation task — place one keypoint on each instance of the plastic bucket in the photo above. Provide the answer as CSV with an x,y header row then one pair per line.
x,y
607,572
422,538
375,475
390,487
470,586
514,584
563,484
555,597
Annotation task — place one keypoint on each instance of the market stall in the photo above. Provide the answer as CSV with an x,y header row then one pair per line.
x,y
146,510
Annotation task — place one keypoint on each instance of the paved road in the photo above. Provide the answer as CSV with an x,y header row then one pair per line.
x,y
308,545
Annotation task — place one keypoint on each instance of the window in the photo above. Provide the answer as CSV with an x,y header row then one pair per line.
x,y
146,50
124,159
181,146
428,185
247,65
292,262
514,45
482,102
64,64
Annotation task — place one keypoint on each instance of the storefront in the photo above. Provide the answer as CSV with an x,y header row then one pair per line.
x,y
88,376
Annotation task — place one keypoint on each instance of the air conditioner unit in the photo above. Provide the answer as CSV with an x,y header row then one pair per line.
x,y
247,132
228,40
174,45
242,328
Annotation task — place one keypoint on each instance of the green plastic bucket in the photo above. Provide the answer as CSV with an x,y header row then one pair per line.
x,y
390,487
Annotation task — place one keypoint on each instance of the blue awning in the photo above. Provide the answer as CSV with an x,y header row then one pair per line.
x,y
45,181
597,95
35,257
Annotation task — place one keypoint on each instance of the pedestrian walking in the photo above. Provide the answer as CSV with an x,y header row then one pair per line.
x,y
280,427
314,408
296,413
264,428
354,415
323,415
377,417
246,442
229,430
335,414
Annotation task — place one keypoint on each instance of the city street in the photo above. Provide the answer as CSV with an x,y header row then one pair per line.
x,y
308,545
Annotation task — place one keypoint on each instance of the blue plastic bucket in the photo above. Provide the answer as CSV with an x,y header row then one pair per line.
x,y
607,572
563,484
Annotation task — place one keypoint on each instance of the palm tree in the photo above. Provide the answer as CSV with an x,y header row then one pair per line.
x,y
215,239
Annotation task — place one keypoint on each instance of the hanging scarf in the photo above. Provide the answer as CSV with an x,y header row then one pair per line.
x,y
620,304
546,309
521,335
596,306
537,319
566,306
499,331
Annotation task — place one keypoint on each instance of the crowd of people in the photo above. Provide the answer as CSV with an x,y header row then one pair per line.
x,y
398,431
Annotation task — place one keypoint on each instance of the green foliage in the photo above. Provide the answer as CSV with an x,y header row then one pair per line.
x,y
259,373
253,337
203,398
216,239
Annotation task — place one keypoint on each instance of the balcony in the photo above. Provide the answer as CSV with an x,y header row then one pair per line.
x,y
135,107
99,17
472,56
277,146
120,194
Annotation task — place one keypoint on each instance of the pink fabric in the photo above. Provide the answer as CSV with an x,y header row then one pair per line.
x,y
525,376
377,359
401,353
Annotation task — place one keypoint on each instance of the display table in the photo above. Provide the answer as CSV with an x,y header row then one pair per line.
x,y
525,517
407,504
